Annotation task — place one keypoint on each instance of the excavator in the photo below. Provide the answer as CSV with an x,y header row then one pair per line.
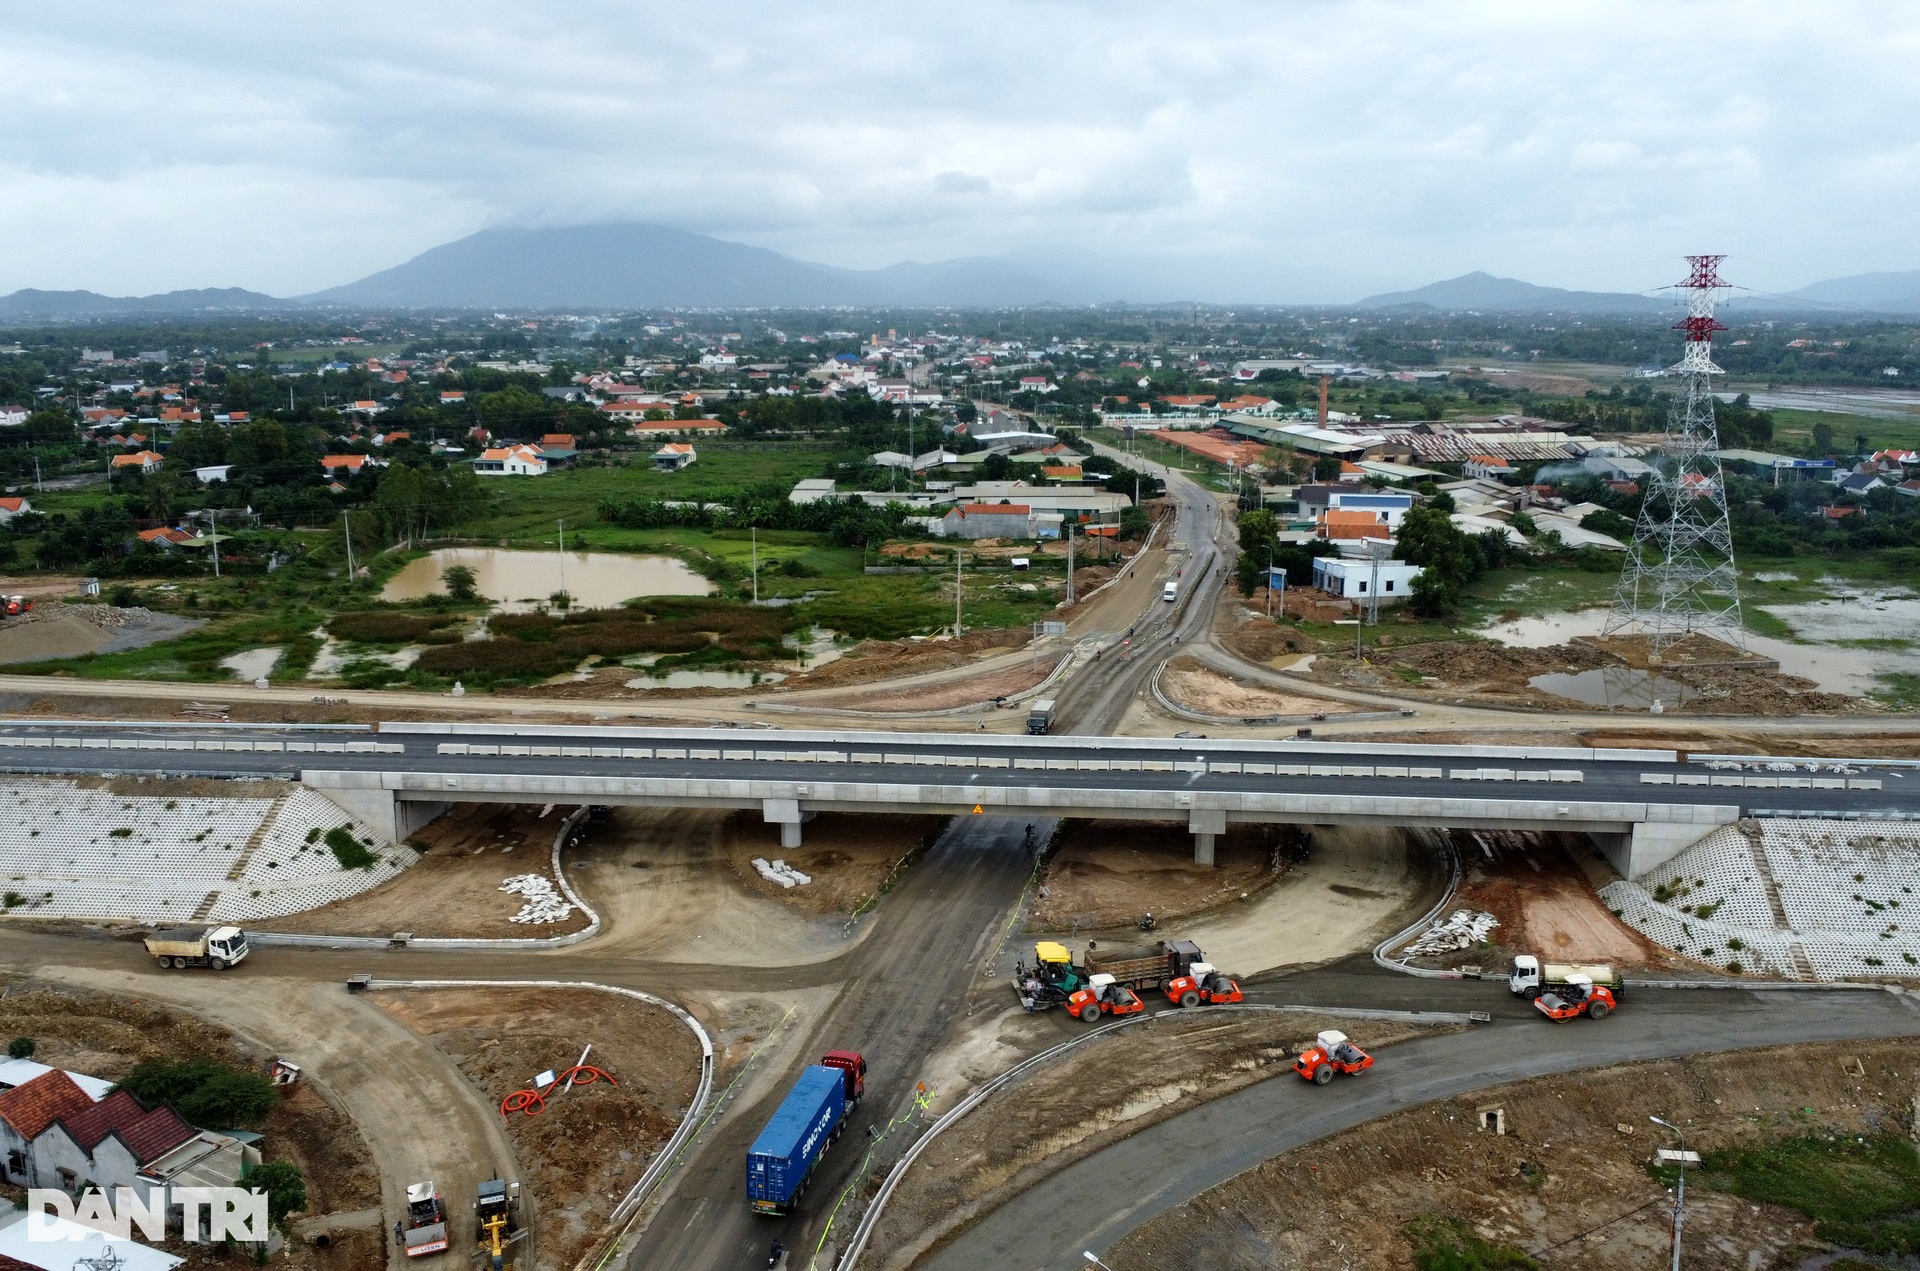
x,y
496,1214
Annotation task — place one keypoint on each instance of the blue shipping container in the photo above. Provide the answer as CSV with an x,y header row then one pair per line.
x,y
795,1136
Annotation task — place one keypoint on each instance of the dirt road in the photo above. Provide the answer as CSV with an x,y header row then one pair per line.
x,y
928,945
421,1117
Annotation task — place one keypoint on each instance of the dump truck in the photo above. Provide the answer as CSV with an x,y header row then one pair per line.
x,y
1203,985
496,1220
425,1230
1145,966
1052,978
1331,1052
218,947
1529,979
1578,996
1103,996
808,1120
1040,716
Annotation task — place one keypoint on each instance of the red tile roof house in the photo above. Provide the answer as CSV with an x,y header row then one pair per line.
x,y
26,1111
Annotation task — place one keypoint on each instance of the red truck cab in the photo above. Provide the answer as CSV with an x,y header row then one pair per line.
x,y
854,1065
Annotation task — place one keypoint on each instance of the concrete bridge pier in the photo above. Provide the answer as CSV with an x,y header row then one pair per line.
x,y
1206,825
787,815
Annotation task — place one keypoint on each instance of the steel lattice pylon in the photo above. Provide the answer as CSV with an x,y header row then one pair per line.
x,y
1680,576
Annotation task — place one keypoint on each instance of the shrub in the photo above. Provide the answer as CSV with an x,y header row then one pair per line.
x,y
122,833
205,1093
1447,1244
380,627
21,1048
286,1190
348,850
1860,1192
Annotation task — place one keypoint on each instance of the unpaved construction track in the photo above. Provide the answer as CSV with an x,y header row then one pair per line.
x,y
931,939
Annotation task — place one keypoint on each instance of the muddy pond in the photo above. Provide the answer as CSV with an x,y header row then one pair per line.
x,y
520,581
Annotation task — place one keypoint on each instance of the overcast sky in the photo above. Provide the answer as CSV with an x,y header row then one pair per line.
x,y
1273,151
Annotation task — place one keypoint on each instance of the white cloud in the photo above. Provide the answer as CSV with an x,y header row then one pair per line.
x,y
1300,148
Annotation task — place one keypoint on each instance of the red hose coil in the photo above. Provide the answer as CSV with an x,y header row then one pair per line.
x,y
533,1103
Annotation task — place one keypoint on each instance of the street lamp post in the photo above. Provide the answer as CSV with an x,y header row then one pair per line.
x,y
1089,1256
1682,1159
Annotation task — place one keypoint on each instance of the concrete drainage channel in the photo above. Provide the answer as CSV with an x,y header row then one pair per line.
x,y
621,1219
592,928
857,1243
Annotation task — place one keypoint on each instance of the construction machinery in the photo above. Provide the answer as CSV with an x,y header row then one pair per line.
x,y
1203,985
1578,996
217,947
1051,980
15,606
425,1231
1331,1052
1146,966
1104,996
496,1220
1529,979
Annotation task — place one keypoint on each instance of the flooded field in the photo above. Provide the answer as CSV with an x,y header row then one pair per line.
x,y
1846,642
521,581
1613,686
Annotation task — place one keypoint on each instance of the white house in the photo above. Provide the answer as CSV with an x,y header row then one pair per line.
x,y
1351,578
212,473
674,456
1486,467
510,461
1036,384
13,506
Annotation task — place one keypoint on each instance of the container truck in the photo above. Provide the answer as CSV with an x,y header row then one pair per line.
x,y
217,947
1040,717
809,1119
1529,979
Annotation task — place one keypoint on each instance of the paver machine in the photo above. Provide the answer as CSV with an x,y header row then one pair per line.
x,y
1104,996
426,1224
1052,979
1203,985
1331,1052
1578,996
496,1220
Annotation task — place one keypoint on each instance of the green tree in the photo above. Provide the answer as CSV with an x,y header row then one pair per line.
x,y
1823,439
286,1190
1259,530
460,582
50,428
21,1048
204,1092
1326,468
198,446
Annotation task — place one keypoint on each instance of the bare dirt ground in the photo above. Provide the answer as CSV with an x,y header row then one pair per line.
x,y
105,1035
970,691
678,883
1131,1080
1541,888
872,660
849,856
455,889
1575,1155
1357,886
1478,672
1104,874
1254,636
1198,688
591,1143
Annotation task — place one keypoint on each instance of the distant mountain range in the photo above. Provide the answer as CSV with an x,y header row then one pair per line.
x,y
637,266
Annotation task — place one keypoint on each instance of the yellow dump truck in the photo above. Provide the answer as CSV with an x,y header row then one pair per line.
x,y
217,947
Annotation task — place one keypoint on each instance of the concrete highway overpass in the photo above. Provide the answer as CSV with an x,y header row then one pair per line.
x,y
1641,806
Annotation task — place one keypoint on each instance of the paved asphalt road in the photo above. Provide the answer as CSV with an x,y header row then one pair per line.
x,y
1605,780
1096,1201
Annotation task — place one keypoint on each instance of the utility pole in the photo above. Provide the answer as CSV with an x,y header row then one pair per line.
x,y
346,528
1682,1159
215,514
959,588
1069,528
753,532
563,555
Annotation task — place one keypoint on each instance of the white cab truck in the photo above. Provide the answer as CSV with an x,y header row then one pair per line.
x,y
1170,592
1530,979
218,947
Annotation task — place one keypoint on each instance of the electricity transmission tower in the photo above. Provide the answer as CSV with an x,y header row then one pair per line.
x,y
1680,576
